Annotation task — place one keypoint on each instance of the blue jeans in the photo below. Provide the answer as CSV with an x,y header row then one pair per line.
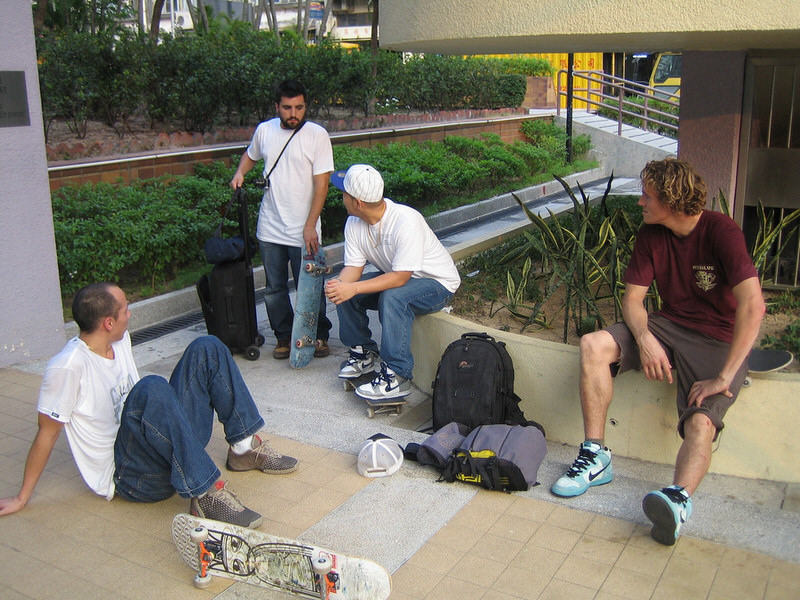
x,y
165,426
396,308
276,297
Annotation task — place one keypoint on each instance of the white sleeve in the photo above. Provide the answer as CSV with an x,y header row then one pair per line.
x,y
59,392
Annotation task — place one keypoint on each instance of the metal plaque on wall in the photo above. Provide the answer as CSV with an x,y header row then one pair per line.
x,y
13,100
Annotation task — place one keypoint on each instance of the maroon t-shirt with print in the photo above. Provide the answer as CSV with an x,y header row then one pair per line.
x,y
694,274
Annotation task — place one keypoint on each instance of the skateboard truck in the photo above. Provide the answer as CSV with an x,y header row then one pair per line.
x,y
199,536
392,407
304,341
322,566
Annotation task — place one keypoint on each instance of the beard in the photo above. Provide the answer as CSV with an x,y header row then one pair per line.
x,y
291,123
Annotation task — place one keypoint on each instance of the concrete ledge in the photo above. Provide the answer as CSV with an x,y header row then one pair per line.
x,y
757,442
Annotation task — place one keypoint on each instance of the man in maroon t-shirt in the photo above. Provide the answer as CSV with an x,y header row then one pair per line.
x,y
712,308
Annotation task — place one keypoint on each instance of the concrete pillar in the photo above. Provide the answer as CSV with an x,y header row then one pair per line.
x,y
712,85
31,317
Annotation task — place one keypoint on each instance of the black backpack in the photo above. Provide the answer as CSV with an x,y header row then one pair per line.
x,y
474,385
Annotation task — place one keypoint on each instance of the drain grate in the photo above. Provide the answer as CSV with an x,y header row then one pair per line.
x,y
149,334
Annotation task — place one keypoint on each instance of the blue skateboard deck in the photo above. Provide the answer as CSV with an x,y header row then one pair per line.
x,y
306,310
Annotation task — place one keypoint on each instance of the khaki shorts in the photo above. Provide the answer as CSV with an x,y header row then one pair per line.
x,y
694,356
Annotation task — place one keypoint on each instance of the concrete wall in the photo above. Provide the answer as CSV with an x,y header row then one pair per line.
x,y
511,26
31,320
615,152
757,442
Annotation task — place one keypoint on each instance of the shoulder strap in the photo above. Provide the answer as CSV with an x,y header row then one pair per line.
x,y
275,164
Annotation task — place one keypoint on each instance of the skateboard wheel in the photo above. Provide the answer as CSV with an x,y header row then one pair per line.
x,y
328,270
322,565
252,353
202,581
199,534
309,267
371,412
298,344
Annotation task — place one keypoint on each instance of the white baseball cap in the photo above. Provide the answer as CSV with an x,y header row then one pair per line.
x,y
379,456
360,181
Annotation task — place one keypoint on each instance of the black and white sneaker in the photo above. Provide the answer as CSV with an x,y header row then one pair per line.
x,y
358,362
387,385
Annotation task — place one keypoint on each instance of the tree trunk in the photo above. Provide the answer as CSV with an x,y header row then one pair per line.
x,y
273,18
306,11
39,16
373,42
323,27
155,21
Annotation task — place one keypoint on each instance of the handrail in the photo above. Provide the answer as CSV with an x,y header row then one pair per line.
x,y
622,92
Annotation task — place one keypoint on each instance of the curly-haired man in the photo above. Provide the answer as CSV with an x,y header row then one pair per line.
x,y
711,312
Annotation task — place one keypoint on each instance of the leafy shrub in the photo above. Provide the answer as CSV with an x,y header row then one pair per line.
x,y
145,232
227,77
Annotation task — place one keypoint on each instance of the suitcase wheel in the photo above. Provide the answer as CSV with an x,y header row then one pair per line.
x,y
252,353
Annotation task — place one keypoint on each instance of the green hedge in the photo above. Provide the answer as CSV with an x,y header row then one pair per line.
x,y
226,78
143,234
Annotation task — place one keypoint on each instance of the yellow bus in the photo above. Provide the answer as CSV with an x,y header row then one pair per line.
x,y
666,75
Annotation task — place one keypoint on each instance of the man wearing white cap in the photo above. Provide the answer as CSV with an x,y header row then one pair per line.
x,y
415,276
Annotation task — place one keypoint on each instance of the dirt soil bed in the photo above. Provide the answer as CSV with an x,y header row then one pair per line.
x,y
488,314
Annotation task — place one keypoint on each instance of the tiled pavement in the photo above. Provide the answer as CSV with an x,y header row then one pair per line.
x,y
68,543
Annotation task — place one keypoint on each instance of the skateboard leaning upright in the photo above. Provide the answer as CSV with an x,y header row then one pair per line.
x,y
306,310
215,548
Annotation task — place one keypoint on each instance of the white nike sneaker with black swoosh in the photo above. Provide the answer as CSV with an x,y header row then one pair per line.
x,y
387,385
592,467
668,509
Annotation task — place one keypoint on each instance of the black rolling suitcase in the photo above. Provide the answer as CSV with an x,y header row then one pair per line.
x,y
227,294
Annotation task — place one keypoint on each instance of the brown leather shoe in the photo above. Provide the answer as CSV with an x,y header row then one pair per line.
x,y
322,349
281,351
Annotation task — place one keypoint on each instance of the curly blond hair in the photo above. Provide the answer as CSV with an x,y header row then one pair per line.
x,y
676,184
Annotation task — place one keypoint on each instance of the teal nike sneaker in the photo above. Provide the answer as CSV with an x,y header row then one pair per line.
x,y
668,509
592,467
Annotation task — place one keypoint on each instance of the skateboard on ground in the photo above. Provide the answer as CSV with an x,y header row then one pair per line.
x,y
225,550
374,407
766,360
306,310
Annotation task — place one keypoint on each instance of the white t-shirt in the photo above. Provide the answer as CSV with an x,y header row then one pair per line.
x,y
400,241
86,392
287,202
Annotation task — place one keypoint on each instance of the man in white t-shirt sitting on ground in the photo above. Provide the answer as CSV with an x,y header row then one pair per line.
x,y
416,276
144,439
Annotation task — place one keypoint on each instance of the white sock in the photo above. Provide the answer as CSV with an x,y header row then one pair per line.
x,y
243,446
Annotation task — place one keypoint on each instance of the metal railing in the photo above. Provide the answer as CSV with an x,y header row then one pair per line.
x,y
615,95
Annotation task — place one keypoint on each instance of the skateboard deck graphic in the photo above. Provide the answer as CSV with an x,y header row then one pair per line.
x,y
306,310
214,548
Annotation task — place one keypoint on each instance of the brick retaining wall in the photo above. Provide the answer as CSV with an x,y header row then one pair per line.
x,y
168,159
